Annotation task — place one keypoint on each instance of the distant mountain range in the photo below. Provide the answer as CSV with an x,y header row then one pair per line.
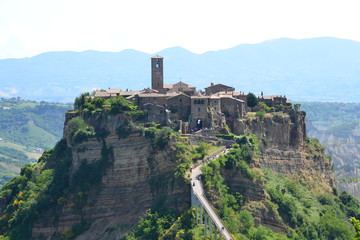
x,y
318,69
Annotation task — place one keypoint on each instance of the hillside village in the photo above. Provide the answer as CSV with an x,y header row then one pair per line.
x,y
180,102
114,167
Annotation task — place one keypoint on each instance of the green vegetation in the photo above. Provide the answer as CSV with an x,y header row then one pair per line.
x,y
305,211
151,226
229,204
159,137
115,105
252,100
187,154
36,190
315,215
339,116
24,126
315,149
31,124
343,130
226,136
260,114
42,189
356,224
79,130
166,227
266,108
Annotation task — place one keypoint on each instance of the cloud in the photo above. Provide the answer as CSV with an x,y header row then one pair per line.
x,y
9,92
12,90
4,94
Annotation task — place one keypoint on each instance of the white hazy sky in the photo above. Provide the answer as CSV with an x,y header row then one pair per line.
x,y
30,27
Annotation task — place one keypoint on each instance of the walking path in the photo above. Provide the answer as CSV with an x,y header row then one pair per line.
x,y
198,191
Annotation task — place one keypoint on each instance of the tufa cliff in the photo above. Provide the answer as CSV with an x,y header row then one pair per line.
x,y
107,172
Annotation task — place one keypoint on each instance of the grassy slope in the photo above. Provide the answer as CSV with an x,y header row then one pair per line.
x,y
24,126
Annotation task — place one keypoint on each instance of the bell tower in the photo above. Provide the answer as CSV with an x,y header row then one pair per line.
x,y
157,73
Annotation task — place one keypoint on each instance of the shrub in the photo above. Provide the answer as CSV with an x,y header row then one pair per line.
x,y
120,105
260,114
159,137
79,130
136,115
226,136
124,130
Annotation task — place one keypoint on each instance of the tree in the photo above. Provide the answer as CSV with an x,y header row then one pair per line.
x,y
356,224
252,100
297,106
80,101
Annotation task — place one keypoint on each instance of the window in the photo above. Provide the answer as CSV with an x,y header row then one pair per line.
x,y
157,63
199,110
180,100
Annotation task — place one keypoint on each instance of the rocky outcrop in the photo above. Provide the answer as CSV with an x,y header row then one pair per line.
x,y
282,140
138,178
351,187
278,130
345,154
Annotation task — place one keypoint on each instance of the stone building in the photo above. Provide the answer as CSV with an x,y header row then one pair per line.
x,y
179,106
180,102
215,88
157,73
232,107
182,87
273,100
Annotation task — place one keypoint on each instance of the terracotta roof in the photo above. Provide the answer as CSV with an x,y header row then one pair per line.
x,y
179,94
113,91
157,56
235,99
183,84
228,93
101,94
149,90
128,93
270,96
219,84
158,95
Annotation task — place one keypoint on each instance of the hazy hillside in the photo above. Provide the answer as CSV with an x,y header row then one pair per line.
x,y
320,69
26,129
337,126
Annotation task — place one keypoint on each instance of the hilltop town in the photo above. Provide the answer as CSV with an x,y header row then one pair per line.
x,y
184,104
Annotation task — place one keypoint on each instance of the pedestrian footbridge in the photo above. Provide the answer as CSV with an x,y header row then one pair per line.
x,y
205,214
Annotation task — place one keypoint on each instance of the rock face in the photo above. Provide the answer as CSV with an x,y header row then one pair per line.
x,y
345,153
282,144
281,131
282,140
141,176
138,178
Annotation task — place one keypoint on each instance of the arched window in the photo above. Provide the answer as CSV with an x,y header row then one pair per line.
x,y
157,63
